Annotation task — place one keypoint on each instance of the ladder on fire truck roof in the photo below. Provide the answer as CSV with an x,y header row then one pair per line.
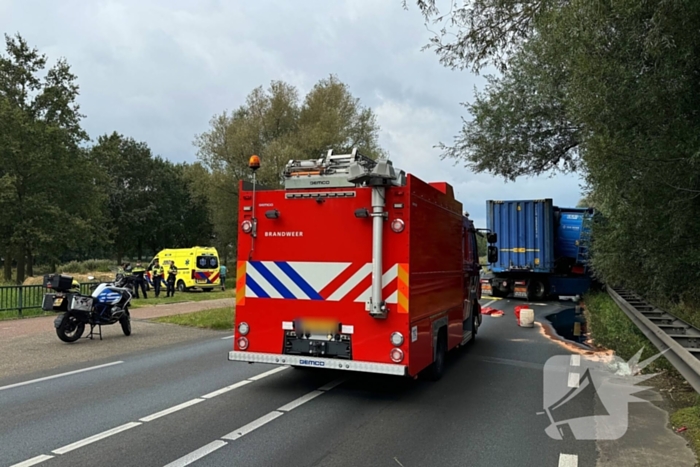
x,y
330,171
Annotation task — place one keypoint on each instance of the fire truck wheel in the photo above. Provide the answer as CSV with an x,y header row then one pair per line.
x,y
435,371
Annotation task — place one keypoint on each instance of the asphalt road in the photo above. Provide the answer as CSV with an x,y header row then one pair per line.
x,y
188,403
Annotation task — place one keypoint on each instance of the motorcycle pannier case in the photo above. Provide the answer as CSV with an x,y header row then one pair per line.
x,y
58,282
81,303
55,302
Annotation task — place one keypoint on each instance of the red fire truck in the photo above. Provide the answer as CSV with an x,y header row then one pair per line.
x,y
354,265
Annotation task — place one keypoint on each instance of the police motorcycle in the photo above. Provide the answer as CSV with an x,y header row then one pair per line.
x,y
107,304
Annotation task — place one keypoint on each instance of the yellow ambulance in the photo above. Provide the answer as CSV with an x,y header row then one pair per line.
x,y
197,267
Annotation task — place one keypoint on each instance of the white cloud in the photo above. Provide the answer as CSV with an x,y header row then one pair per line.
x,y
158,70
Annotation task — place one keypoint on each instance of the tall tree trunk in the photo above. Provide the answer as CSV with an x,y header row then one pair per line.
x,y
20,266
7,267
30,263
139,249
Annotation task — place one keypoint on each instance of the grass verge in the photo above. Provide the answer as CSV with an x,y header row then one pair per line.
x,y
689,417
182,297
610,328
220,319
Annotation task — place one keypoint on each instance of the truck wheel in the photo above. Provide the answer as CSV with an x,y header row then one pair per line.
x,y
435,371
536,290
181,286
496,293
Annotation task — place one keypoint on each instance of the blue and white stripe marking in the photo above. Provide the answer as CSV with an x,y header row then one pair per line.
x,y
290,280
108,296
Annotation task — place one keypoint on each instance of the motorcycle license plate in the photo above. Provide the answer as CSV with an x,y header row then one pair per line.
x,y
58,301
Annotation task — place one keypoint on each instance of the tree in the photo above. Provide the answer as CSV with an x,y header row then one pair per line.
x,y
152,203
274,125
482,32
331,118
127,171
613,88
49,199
180,217
522,124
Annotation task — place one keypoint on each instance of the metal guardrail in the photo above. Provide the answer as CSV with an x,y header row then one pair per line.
x,y
27,297
665,331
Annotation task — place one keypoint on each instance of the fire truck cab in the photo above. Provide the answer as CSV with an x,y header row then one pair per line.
x,y
354,265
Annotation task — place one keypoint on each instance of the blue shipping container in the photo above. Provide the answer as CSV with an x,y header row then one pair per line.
x,y
566,244
525,231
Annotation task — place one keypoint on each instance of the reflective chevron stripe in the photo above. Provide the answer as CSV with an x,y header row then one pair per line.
x,y
313,281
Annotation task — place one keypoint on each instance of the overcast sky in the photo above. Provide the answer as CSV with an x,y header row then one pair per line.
x,y
158,70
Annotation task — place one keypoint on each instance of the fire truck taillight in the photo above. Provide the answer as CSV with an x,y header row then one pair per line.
x,y
243,329
242,343
396,355
397,338
246,226
397,225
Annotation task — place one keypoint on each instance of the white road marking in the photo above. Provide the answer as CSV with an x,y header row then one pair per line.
x,y
97,437
228,337
489,303
331,385
226,389
268,373
198,454
302,400
195,455
46,378
568,460
575,360
254,425
33,461
574,379
165,412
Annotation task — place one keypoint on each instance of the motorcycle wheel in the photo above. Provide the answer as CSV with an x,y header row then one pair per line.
x,y
70,329
125,322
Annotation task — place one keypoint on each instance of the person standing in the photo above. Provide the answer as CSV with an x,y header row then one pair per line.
x,y
139,279
172,277
222,276
157,272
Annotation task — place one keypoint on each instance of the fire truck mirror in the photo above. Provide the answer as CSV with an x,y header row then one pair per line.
x,y
492,254
492,238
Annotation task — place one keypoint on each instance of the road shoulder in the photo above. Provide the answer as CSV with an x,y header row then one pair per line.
x,y
31,346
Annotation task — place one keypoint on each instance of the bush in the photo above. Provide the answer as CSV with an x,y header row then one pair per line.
x,y
84,267
610,328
